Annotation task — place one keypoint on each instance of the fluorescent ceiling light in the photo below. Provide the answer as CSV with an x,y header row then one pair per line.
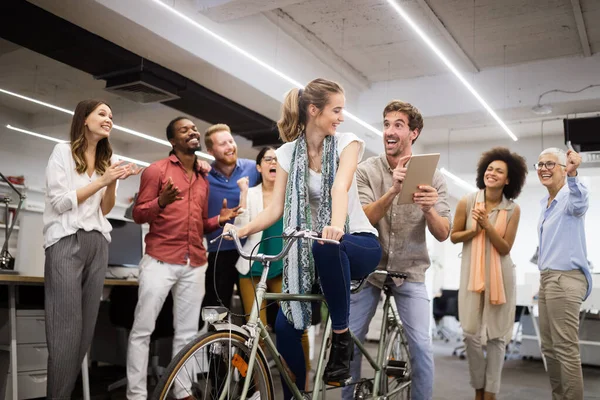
x,y
39,135
460,182
115,126
450,66
258,61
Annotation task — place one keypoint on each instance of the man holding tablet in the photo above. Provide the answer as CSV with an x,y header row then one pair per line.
x,y
401,227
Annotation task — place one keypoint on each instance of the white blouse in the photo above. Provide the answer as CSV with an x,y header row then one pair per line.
x,y
358,220
62,215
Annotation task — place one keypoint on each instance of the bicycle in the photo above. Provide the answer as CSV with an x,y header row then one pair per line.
x,y
236,365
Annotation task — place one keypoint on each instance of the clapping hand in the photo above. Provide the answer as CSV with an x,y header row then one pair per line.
x,y
168,194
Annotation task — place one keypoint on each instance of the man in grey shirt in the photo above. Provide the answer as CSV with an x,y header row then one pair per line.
x,y
402,235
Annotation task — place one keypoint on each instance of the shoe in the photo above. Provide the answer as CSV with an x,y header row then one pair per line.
x,y
489,396
478,394
337,371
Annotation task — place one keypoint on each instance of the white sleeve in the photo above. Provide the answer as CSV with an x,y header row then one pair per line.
x,y
284,155
344,139
58,192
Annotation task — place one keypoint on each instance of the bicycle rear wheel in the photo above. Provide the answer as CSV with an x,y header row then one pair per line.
x,y
397,371
214,364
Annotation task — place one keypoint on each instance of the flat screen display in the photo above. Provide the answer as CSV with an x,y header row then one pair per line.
x,y
125,249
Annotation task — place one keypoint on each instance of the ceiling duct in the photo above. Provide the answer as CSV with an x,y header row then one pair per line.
x,y
139,86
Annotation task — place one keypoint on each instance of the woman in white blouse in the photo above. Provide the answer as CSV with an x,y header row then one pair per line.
x,y
81,185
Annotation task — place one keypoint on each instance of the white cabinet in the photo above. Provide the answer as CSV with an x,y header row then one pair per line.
x,y
32,353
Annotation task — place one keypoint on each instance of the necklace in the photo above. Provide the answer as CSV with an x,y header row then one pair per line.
x,y
316,164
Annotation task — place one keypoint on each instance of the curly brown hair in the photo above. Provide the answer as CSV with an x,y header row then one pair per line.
x,y
517,170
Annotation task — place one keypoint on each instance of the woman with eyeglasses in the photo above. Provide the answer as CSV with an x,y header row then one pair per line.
x,y
486,224
253,201
565,280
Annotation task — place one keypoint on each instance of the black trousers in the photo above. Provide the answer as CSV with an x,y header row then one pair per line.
x,y
220,275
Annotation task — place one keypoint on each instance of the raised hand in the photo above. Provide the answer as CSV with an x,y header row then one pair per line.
x,y
169,194
573,162
399,173
227,214
480,215
112,173
130,169
426,197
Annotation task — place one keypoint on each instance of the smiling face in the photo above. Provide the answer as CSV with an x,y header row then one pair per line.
x,y
496,175
331,116
268,166
99,123
186,138
223,147
551,177
397,136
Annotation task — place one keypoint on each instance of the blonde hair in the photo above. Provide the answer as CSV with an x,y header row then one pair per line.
x,y
293,112
214,129
79,141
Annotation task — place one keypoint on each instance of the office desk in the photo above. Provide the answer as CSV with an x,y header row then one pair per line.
x,y
14,280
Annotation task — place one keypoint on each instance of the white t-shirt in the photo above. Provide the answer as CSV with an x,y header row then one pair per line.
x,y
358,220
62,215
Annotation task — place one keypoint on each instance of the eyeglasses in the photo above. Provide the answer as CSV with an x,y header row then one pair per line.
x,y
269,159
548,164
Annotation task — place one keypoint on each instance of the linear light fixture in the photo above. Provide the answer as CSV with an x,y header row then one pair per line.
x,y
115,126
450,66
460,182
39,135
258,61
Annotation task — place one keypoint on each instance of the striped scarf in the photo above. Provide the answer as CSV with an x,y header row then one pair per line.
x,y
299,267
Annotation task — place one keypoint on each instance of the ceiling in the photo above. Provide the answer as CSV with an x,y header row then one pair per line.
x,y
374,42
66,42
33,75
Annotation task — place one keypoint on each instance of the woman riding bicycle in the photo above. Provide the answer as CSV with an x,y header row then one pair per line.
x,y
315,188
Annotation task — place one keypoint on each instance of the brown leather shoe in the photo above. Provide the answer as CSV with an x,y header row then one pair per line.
x,y
489,396
478,394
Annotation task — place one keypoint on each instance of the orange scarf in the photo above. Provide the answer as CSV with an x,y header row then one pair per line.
x,y
477,275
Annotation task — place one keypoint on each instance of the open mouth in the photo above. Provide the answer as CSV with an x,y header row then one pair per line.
x,y
272,170
106,127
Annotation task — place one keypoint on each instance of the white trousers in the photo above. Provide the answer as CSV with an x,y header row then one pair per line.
x,y
156,279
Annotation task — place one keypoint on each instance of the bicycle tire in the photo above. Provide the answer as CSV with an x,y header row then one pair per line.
x,y
231,339
396,349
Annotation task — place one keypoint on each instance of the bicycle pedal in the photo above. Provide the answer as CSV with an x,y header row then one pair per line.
x,y
343,383
396,368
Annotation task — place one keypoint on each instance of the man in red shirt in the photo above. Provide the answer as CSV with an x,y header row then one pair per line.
x,y
173,199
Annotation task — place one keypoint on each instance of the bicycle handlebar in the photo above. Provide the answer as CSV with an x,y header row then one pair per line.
x,y
290,233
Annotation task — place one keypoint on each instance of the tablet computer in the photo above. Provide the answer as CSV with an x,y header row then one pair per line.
x,y
420,170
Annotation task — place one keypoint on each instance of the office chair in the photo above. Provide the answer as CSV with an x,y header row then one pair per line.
x,y
123,300
446,305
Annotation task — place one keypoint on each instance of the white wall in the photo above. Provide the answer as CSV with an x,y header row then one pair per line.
x,y
463,159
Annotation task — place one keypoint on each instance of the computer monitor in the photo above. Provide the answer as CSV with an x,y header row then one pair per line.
x,y
125,249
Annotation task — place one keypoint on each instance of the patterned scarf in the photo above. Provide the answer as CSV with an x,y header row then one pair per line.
x,y
299,267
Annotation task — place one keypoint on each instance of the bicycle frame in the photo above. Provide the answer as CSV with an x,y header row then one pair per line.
x,y
255,328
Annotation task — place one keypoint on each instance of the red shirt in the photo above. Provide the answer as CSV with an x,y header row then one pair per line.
x,y
176,231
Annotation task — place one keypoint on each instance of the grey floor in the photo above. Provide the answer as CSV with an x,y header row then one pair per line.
x,y
521,380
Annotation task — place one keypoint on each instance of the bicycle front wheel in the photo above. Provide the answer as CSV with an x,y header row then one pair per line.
x,y
397,371
214,366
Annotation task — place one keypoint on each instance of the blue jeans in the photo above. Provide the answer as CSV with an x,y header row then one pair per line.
x,y
413,306
356,257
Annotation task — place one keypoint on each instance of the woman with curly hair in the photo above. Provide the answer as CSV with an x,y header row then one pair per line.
x,y
486,223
